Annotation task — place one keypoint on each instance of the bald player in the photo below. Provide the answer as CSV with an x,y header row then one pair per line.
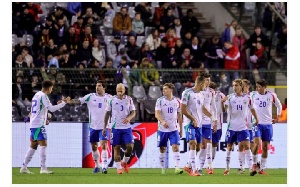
x,y
122,110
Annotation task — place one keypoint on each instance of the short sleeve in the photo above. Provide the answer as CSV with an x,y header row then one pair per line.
x,y
109,105
131,106
85,99
158,104
185,98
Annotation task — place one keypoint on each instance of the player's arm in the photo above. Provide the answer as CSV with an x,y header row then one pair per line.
x,y
75,101
278,105
213,105
158,113
253,112
81,100
53,108
179,118
184,111
223,103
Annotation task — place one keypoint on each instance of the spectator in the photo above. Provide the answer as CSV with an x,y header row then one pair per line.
x,y
27,22
85,53
159,12
27,57
282,43
94,27
171,38
179,47
60,31
144,9
109,74
36,85
98,53
232,59
122,23
79,26
133,51
190,23
74,8
153,40
41,41
259,60
171,61
55,60
229,32
87,35
146,53
34,9
257,36
162,50
123,72
109,11
59,14
50,49
239,40
19,62
114,47
80,86
167,19
118,59
196,50
135,75
179,31
72,39
187,40
187,59
90,14
177,11
138,25
64,61
149,74
20,93
210,48
225,83
40,61
162,31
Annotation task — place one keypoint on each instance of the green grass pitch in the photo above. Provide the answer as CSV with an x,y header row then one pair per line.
x,y
144,176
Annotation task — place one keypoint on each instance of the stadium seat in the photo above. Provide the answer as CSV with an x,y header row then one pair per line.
x,y
148,31
25,111
59,113
15,40
154,92
62,4
140,40
108,22
108,39
139,93
28,39
75,112
61,118
124,40
131,12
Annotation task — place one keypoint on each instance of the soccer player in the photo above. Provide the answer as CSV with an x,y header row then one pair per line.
x,y
167,112
220,109
96,103
122,110
242,157
263,100
237,105
38,119
210,105
192,107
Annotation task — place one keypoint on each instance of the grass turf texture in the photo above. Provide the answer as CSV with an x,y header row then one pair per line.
x,y
144,176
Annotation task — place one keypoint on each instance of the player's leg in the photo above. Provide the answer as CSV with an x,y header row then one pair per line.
x,y
94,139
216,137
28,156
208,138
115,140
104,153
162,140
257,132
230,138
128,140
244,144
174,142
267,135
193,135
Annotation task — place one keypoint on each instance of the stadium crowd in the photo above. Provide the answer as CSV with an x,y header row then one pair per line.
x,y
127,43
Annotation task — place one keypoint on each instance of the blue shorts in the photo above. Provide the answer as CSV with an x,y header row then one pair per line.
x,y
251,135
265,132
237,136
121,136
207,131
163,137
192,133
38,134
216,137
96,135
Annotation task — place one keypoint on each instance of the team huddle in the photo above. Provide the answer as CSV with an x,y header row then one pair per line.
x,y
199,114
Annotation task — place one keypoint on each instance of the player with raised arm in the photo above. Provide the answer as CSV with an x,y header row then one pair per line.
x,y
122,110
220,109
96,103
206,146
237,105
263,100
167,112
38,119
192,107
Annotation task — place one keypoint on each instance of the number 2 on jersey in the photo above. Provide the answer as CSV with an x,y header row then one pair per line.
x,y
33,110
